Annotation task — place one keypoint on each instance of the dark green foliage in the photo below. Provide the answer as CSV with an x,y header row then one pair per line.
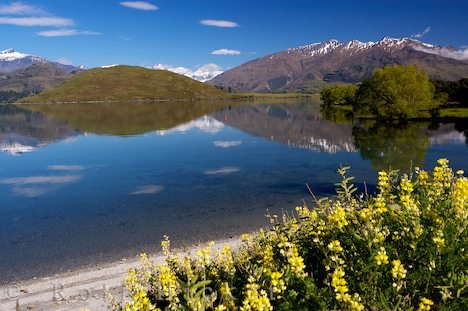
x,y
452,91
338,95
12,96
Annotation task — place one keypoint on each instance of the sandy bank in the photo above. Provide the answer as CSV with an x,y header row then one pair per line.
x,y
79,289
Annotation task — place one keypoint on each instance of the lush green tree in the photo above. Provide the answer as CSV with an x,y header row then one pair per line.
x,y
396,92
338,95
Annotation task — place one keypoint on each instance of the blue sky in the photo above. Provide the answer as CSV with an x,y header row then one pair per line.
x,y
186,33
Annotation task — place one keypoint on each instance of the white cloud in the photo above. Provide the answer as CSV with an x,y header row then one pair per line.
x,y
66,33
202,73
66,167
64,61
40,180
148,189
139,5
37,21
223,170
225,52
204,124
227,143
30,192
219,23
461,54
422,34
19,8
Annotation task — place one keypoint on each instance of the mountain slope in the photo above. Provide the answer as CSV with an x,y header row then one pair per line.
x,y
121,83
11,60
332,61
34,79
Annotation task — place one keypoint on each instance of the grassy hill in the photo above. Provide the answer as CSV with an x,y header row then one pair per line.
x,y
127,83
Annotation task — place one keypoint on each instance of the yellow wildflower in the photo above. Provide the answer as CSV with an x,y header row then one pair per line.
x,y
381,258
398,270
425,304
338,217
277,284
256,299
335,246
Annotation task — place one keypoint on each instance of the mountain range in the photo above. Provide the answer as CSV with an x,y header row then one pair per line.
x,y
298,69
23,74
11,60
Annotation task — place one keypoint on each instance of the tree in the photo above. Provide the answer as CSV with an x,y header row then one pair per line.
x,y
338,95
396,92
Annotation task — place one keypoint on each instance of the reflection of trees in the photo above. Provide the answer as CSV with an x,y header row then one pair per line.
x,y
392,145
337,114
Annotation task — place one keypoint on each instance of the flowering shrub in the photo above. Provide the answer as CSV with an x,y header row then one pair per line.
x,y
400,249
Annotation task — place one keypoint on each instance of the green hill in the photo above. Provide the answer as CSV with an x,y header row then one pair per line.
x,y
127,83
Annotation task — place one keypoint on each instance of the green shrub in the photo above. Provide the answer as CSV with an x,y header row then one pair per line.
x,y
403,248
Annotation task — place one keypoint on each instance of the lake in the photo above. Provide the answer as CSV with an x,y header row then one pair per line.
x,y
82,184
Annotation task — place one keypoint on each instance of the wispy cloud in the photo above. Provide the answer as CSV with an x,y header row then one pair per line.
x,y
66,167
64,61
223,170
30,192
19,8
139,5
37,21
21,14
66,33
226,52
64,179
461,54
148,189
227,143
422,34
219,23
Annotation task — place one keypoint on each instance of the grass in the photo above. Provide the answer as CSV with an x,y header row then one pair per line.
x,y
127,83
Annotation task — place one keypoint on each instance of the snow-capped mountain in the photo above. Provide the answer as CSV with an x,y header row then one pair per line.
x,y
202,74
11,60
332,60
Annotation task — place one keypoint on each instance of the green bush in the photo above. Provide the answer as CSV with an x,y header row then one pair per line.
x,y
403,248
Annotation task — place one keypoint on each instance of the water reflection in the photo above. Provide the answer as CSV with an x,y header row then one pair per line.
x,y
300,125
112,179
392,145
129,118
23,131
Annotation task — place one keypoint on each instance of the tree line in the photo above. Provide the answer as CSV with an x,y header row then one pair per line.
x,y
396,92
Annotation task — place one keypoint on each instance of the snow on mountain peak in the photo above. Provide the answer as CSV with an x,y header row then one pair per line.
x,y
317,48
202,74
11,54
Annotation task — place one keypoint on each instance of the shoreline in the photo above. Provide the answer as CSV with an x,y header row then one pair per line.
x,y
85,287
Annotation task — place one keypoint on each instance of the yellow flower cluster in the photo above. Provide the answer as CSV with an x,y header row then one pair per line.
x,y
383,181
381,258
339,284
425,304
338,217
203,256
224,260
256,299
398,270
169,286
335,246
277,283
460,198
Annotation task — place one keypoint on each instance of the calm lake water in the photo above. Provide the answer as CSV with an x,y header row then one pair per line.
x,y
83,184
